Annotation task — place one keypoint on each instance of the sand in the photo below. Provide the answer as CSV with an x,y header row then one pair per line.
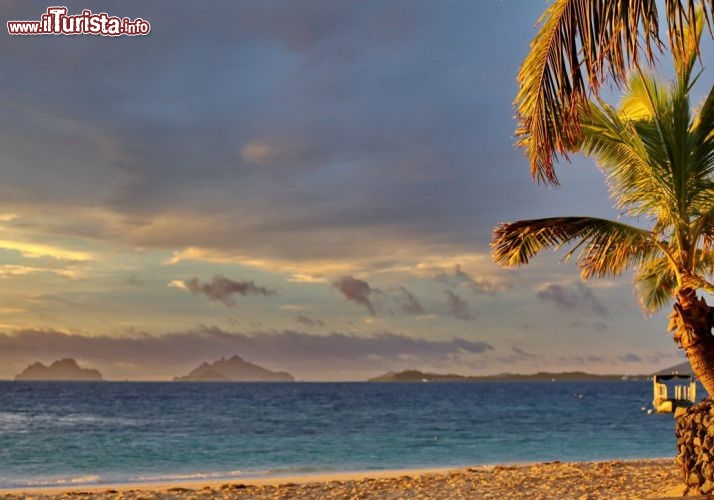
x,y
629,479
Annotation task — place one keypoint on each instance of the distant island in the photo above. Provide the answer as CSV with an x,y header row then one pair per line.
x,y
234,369
65,369
683,368
417,376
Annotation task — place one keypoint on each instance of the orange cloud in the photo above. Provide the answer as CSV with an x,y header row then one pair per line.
x,y
36,250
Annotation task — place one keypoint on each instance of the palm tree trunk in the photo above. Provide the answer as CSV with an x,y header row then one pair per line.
x,y
701,357
692,321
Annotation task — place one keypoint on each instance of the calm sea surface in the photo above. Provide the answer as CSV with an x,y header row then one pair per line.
x,y
86,433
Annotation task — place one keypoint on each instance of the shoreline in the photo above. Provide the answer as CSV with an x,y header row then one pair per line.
x,y
644,478
295,477
277,479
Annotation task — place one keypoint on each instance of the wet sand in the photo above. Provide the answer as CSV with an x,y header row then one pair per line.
x,y
628,479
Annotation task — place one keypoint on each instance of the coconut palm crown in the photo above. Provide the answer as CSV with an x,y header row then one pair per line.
x,y
657,155
579,44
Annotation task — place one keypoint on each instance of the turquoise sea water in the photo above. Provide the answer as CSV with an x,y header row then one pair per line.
x,y
87,433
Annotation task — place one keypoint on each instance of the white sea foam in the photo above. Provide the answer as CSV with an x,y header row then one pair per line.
x,y
13,422
22,423
10,417
71,420
189,476
60,481
89,419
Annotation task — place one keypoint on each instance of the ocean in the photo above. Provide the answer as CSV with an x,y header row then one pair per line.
x,y
59,433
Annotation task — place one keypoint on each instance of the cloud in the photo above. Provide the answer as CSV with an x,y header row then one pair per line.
x,y
170,354
523,354
309,322
266,152
597,326
410,304
306,269
222,289
357,291
458,307
293,307
37,250
257,152
9,270
630,358
377,178
581,298
489,286
359,171
61,268
134,280
517,356
611,364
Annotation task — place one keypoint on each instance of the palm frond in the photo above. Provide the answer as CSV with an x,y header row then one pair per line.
x,y
685,43
628,147
704,265
655,284
701,147
703,226
579,43
644,96
658,161
605,247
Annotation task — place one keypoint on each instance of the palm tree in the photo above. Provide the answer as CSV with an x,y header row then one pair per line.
x,y
658,158
579,44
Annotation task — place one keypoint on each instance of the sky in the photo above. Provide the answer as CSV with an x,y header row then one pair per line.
x,y
310,185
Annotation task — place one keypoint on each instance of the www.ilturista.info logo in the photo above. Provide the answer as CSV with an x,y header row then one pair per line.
x,y
57,22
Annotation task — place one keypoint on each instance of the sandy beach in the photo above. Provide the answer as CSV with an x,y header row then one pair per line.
x,y
628,479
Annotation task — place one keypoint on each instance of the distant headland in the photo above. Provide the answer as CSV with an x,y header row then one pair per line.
x,y
417,376
65,369
234,369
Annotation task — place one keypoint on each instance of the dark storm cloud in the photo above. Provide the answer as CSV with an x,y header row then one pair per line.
x,y
308,321
357,291
156,354
577,298
410,303
222,289
458,307
356,115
